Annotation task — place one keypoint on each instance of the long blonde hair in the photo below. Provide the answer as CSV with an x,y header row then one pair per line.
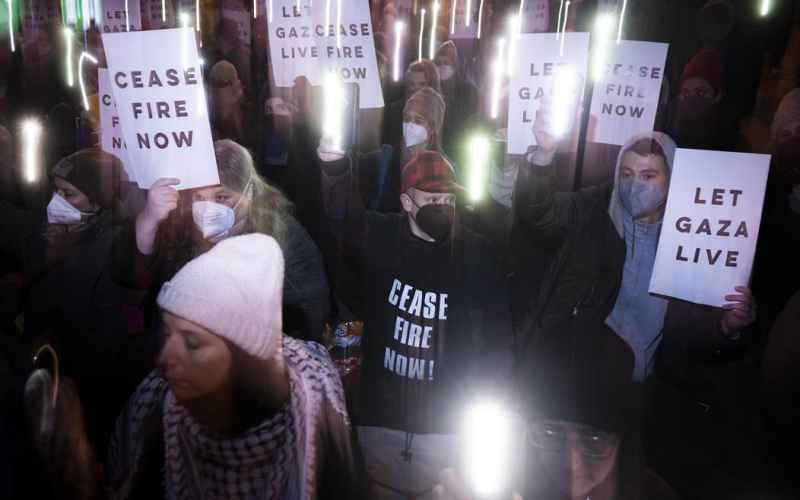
x,y
269,208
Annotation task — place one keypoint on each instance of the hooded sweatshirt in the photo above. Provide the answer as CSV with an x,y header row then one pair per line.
x,y
638,316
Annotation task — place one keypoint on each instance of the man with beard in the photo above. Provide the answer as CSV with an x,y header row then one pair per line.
x,y
436,323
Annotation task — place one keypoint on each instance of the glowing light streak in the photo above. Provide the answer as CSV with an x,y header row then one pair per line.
x,y
84,55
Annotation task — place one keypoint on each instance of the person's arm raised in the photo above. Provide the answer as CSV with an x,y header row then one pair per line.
x,y
162,199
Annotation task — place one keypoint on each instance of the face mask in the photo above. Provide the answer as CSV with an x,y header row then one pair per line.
x,y
639,198
446,71
60,211
695,107
436,220
414,133
213,220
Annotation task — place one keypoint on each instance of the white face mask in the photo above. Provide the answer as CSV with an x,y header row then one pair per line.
x,y
213,219
60,211
414,133
446,71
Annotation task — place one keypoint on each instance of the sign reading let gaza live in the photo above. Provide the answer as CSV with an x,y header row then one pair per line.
x,y
625,99
157,83
710,227
307,41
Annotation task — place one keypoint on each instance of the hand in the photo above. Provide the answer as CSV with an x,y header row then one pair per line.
x,y
740,312
162,198
542,131
327,152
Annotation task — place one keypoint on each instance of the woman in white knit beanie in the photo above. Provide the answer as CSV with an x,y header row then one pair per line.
x,y
236,410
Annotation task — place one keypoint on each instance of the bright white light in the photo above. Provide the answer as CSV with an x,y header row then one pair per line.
x,y
339,24
603,27
72,12
468,13
564,27
513,35
434,25
560,14
185,39
84,55
255,9
399,27
127,21
31,132
453,16
333,95
85,14
765,7
479,158
480,19
68,43
488,443
621,20
163,11
421,31
269,11
565,90
197,16
498,68
11,24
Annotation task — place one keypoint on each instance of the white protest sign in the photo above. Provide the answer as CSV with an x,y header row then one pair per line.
x,y
539,60
111,136
625,100
300,45
708,238
535,16
116,19
466,26
157,84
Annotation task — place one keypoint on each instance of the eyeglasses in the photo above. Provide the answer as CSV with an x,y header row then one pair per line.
x,y
697,92
555,437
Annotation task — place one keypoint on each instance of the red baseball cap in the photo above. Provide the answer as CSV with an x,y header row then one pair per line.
x,y
430,171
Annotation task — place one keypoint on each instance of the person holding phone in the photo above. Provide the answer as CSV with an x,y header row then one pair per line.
x,y
435,310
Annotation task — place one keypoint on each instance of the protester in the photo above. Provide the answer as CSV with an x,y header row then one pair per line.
x,y
422,358
231,112
698,114
64,256
237,409
460,95
608,238
779,237
578,437
163,239
420,74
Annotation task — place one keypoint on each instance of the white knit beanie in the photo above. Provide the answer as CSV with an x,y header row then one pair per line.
x,y
235,290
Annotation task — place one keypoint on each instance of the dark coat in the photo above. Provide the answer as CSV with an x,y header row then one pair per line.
x,y
580,287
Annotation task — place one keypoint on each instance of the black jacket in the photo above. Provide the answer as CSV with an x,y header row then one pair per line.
x,y
436,321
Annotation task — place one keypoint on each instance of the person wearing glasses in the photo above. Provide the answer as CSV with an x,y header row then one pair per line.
x,y
578,435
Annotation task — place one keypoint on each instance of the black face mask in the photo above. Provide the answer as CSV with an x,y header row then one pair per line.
x,y
436,220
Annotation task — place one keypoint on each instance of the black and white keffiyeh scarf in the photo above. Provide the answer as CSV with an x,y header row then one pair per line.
x,y
277,459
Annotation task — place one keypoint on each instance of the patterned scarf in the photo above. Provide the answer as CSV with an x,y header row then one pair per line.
x,y
277,459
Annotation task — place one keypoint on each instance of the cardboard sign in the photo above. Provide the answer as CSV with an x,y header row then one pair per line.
x,y
539,60
625,101
536,16
300,45
157,83
115,18
111,139
708,238
462,29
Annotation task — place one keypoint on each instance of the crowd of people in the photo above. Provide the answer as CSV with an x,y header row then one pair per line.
x,y
322,322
